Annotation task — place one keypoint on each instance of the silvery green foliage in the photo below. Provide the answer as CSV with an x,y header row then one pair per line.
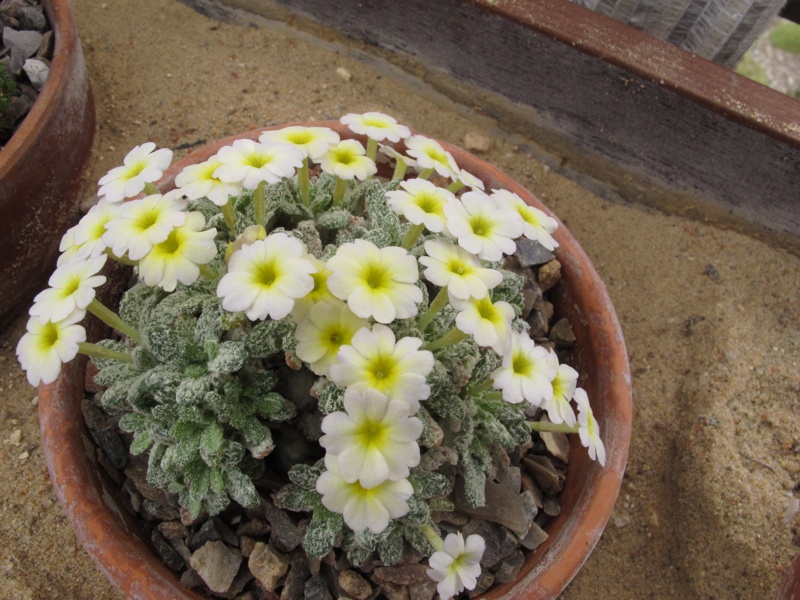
x,y
201,396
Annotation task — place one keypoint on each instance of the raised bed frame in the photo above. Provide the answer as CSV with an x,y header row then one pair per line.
x,y
630,115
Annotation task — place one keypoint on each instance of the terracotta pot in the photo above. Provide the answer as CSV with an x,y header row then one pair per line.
x,y
114,540
790,586
41,168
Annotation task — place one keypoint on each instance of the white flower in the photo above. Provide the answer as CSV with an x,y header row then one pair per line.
x,y
470,180
198,181
72,287
375,282
249,163
429,154
319,293
486,321
537,226
85,240
348,160
266,277
392,154
142,223
140,166
421,202
588,429
329,325
482,227
363,508
373,440
376,126
313,142
526,372
374,360
458,566
564,384
452,266
176,258
47,345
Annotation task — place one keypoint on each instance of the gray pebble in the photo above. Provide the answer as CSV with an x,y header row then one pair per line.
x,y
217,565
531,254
27,42
37,72
32,17
165,550
317,589
268,565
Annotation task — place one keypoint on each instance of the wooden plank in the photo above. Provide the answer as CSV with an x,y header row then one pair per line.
x,y
650,122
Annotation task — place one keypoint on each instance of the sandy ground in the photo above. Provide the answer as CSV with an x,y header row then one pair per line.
x,y
711,317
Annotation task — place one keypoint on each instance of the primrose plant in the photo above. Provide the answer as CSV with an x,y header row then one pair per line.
x,y
288,259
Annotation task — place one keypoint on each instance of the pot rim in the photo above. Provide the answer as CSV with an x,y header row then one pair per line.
x,y
106,532
65,41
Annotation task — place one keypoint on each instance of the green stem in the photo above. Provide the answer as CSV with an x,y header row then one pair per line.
x,y
553,427
485,386
229,214
412,235
437,304
97,351
151,189
339,190
112,319
493,395
430,533
303,181
448,339
455,186
399,170
372,149
426,173
260,203
207,272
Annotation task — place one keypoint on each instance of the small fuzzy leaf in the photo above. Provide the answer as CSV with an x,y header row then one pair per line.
x,y
305,476
292,497
210,442
323,530
241,488
230,357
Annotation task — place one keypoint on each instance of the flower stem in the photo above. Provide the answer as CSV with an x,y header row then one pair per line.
x,y
412,235
448,339
112,319
485,386
303,181
399,170
426,173
553,427
260,203
97,351
455,186
430,533
151,189
436,305
229,214
339,190
207,272
372,149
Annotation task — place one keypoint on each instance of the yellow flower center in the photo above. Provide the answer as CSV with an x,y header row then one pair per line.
x,y
266,273
481,226
171,245
257,160
48,336
487,310
429,203
521,364
381,372
370,433
459,267
300,138
146,219
376,277
344,156
135,169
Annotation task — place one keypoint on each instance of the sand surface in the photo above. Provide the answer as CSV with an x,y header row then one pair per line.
x,y
711,317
